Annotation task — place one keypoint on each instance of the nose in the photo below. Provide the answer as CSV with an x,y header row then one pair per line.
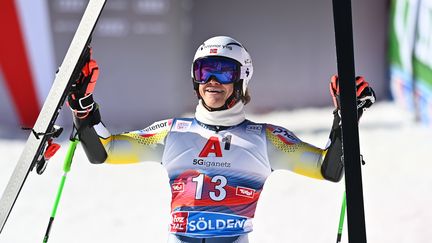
x,y
213,80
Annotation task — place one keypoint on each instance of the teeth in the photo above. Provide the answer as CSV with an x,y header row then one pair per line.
x,y
214,90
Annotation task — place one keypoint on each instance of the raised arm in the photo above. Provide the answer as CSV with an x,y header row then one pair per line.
x,y
98,143
332,167
286,151
142,145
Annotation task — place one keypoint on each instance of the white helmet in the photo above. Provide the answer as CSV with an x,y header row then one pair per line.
x,y
227,47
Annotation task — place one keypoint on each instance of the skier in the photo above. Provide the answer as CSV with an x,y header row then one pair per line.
x,y
217,161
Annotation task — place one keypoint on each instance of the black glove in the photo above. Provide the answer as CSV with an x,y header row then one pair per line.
x,y
80,98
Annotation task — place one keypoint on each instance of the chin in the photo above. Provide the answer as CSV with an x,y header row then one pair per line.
x,y
215,106
214,103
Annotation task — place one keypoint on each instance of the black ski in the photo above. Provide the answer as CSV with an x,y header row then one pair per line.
x,y
37,147
350,134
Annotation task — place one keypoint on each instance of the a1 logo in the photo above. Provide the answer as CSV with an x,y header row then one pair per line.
x,y
212,146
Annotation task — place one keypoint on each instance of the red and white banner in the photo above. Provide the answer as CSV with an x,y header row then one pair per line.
x,y
26,60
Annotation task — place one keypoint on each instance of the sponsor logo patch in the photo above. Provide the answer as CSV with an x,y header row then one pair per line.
x,y
254,129
216,46
182,126
156,127
284,135
177,187
179,221
207,163
205,223
245,192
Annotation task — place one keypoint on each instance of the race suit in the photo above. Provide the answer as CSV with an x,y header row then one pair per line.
x,y
216,173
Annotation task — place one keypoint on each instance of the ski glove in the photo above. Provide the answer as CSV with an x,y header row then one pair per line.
x,y
80,98
365,94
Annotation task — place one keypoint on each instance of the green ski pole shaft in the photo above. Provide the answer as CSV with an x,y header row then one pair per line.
x,y
66,168
341,219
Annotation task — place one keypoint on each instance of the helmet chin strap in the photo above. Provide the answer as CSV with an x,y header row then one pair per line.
x,y
230,101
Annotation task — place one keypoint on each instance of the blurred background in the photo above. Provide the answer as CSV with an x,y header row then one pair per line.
x,y
145,49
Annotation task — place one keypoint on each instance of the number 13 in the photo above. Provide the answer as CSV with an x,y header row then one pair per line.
x,y
220,182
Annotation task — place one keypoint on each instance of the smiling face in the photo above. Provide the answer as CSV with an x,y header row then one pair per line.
x,y
214,93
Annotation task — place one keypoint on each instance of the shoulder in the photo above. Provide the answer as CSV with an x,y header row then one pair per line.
x,y
157,127
182,124
282,134
151,134
253,127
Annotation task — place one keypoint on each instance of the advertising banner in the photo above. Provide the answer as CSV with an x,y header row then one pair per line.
x,y
410,56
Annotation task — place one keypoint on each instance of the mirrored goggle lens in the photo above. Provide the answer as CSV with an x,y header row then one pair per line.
x,y
224,70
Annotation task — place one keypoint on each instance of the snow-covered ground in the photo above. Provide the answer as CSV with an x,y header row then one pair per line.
x,y
130,203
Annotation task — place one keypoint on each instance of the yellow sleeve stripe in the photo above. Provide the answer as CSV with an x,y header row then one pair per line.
x,y
131,147
148,139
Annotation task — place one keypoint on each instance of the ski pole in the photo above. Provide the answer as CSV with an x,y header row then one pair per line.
x,y
341,219
66,168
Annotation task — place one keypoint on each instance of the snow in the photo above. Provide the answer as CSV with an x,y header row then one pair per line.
x,y
130,203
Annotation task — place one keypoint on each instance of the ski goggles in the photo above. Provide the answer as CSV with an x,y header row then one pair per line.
x,y
225,70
